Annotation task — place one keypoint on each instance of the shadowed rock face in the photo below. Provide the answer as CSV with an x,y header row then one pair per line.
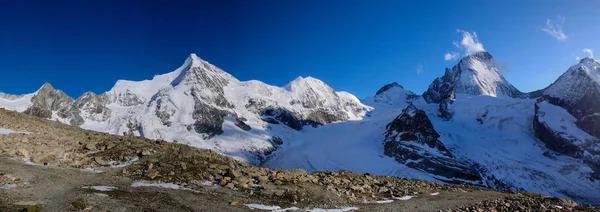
x,y
576,91
411,140
564,143
387,87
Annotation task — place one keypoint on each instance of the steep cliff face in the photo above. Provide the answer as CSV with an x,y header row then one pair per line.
x,y
412,140
476,74
559,131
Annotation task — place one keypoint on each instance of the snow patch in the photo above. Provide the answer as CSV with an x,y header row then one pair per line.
x,y
100,188
158,185
435,194
404,197
385,201
8,186
5,131
333,210
279,209
89,169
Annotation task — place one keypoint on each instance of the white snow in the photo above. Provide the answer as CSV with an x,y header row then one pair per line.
x,y
270,208
90,169
8,186
100,188
279,209
5,131
560,120
207,183
404,198
504,144
385,201
333,210
16,103
158,185
121,165
395,97
435,194
574,84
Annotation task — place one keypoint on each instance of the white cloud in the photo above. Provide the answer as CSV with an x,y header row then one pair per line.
x,y
589,52
469,43
420,69
554,28
451,56
577,58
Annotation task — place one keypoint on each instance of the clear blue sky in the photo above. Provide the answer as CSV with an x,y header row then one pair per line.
x,y
356,46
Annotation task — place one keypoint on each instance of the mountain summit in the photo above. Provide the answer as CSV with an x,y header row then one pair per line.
x,y
476,74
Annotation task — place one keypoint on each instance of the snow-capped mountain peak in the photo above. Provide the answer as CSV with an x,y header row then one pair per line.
x,y
392,94
476,74
576,82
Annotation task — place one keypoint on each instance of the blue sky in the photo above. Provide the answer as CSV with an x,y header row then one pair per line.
x,y
356,46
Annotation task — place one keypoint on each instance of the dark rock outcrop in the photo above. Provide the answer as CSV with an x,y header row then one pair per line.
x,y
445,109
562,142
242,125
387,87
411,140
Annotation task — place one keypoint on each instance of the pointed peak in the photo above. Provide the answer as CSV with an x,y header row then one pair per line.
x,y
587,60
388,87
194,60
89,93
46,86
481,56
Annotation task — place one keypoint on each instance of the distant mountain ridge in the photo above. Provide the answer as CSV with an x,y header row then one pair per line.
x,y
470,126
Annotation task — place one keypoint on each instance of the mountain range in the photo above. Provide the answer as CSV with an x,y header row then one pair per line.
x,y
470,126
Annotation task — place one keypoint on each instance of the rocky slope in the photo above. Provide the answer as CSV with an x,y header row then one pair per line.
x,y
411,139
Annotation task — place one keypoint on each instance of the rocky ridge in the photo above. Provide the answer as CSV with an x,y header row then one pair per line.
x,y
412,140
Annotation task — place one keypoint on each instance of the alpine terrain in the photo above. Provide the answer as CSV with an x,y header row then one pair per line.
x,y
471,126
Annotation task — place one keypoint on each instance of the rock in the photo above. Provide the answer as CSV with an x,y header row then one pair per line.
x,y
153,173
229,186
183,166
23,152
145,152
90,146
404,138
39,159
101,162
234,174
233,203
